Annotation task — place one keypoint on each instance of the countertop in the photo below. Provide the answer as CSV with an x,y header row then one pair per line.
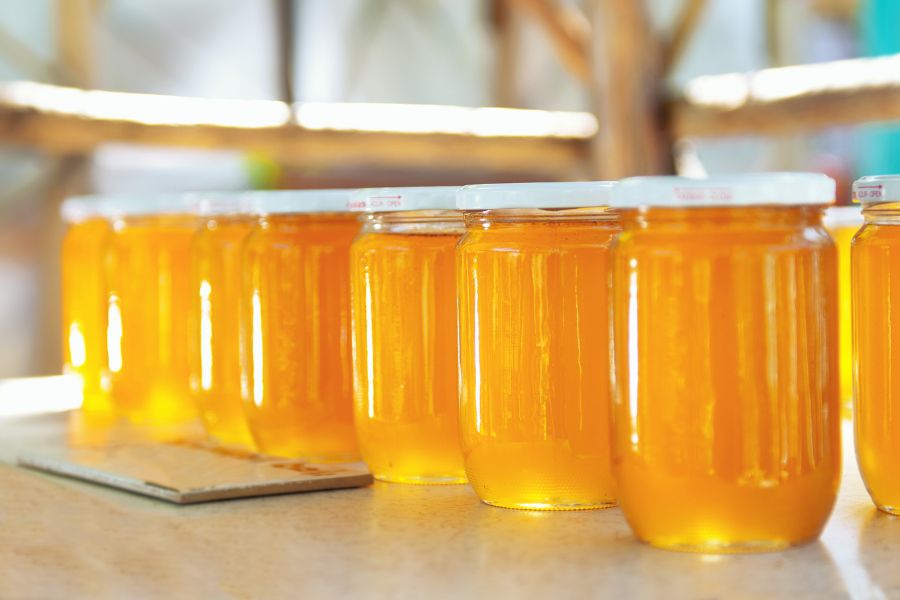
x,y
65,539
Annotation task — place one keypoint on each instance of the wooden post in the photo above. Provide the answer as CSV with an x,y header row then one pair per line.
x,y
628,92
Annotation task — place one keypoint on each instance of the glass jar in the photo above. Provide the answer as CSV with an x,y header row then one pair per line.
x,y
149,286
533,276
297,371
83,289
403,280
725,377
215,324
875,258
842,223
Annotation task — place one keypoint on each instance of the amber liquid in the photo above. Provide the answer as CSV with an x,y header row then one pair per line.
x,y
534,351
298,392
876,304
84,311
150,295
726,400
404,315
215,329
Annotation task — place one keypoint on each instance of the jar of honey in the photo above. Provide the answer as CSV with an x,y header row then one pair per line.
x,y
297,368
403,280
149,300
83,288
842,223
215,317
533,272
875,261
725,365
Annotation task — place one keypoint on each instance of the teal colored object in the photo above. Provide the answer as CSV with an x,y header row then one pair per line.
x,y
879,35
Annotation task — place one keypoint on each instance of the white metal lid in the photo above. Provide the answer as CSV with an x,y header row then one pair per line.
x,y
843,216
404,198
211,204
751,189
129,205
576,194
297,201
877,188
82,208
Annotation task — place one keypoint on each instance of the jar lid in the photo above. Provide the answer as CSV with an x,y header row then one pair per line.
x,y
82,208
875,189
575,194
211,204
404,198
751,189
273,202
127,205
843,216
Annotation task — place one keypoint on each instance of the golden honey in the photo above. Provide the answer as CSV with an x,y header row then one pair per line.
x,y
84,301
215,327
298,378
534,346
403,277
726,399
842,223
876,314
150,298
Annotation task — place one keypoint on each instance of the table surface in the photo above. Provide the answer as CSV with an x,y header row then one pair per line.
x,y
66,539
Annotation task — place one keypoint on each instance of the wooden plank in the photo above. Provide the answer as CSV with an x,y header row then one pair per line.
x,y
71,121
787,100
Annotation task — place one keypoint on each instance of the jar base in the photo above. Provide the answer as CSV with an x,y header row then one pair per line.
x,y
424,480
891,510
725,547
550,506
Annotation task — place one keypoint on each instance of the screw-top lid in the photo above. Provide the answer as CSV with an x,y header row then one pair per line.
x,y
752,189
82,208
211,204
127,205
578,194
297,201
877,188
404,198
843,216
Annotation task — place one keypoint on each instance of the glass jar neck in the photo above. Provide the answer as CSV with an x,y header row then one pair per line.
x,y
414,221
887,213
762,217
510,217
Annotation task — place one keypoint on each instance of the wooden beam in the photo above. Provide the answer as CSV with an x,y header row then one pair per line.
x,y
685,25
569,32
626,95
505,38
69,121
285,14
74,28
789,99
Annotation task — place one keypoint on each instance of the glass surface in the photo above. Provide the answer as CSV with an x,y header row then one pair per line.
x,y
534,352
405,357
84,311
726,399
298,391
876,304
215,328
148,273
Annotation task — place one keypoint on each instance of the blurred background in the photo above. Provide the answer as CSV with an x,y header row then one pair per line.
x,y
130,95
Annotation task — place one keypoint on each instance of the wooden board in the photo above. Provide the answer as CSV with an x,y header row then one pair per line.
x,y
189,472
